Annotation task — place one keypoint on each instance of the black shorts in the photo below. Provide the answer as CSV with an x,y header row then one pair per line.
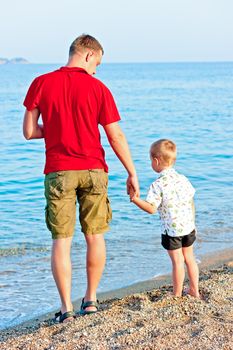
x,y
172,243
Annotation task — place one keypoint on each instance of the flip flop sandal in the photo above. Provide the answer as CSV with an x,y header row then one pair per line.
x,y
86,304
60,318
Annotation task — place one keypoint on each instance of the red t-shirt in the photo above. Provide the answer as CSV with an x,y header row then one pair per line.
x,y
72,104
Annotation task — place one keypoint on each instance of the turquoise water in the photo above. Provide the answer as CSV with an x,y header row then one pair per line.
x,y
191,103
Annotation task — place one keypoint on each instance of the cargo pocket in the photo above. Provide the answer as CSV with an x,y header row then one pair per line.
x,y
54,185
47,218
109,211
99,180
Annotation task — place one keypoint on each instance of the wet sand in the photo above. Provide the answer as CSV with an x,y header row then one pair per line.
x,y
144,316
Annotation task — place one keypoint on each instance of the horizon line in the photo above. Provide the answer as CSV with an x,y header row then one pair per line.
x,y
145,62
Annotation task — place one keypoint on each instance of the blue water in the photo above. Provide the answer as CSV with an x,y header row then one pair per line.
x,y
191,103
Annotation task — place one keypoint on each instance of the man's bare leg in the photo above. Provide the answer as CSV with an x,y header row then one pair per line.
x,y
62,271
95,262
178,272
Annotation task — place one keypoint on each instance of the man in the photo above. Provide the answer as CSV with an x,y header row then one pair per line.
x,y
72,104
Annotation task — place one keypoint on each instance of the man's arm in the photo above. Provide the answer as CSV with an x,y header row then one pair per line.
x,y
31,128
120,146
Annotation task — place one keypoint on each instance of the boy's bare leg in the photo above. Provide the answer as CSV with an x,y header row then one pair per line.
x,y
193,271
62,271
178,272
95,262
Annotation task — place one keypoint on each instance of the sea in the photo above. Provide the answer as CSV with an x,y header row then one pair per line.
x,y
190,103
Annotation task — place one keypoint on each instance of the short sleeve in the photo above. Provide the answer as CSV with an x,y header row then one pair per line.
x,y
33,96
108,110
154,195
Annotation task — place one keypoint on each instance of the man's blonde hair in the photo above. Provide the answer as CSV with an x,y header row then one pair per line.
x,y
85,41
165,150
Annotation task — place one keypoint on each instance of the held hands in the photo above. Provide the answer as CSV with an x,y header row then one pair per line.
x,y
132,195
133,187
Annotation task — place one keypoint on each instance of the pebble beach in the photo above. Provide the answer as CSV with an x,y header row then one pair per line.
x,y
152,319
156,100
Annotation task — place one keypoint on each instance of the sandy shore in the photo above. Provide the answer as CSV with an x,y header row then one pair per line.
x,y
144,316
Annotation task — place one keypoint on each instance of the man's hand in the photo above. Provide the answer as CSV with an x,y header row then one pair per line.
x,y
132,186
132,194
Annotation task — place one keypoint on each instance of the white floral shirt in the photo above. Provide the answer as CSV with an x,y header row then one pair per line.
x,y
172,194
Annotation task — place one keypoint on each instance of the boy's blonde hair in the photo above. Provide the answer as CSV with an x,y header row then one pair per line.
x,y
165,150
85,41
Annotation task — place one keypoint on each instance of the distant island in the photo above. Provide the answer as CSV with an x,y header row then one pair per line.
x,y
14,60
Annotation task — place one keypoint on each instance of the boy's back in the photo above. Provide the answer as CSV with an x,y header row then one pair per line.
x,y
172,194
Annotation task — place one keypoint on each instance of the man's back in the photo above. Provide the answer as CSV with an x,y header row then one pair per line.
x,y
72,104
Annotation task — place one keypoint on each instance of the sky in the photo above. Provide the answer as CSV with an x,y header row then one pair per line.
x,y
129,30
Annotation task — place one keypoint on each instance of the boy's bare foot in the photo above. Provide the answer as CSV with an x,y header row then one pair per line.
x,y
192,293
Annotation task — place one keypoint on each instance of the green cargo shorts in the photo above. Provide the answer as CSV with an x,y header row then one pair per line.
x,y
62,191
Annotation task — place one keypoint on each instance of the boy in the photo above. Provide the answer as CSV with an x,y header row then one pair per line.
x,y
172,195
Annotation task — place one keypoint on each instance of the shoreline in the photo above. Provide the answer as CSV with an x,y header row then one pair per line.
x,y
143,316
208,261
149,320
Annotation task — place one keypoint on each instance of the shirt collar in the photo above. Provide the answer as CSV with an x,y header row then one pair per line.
x,y
168,171
72,69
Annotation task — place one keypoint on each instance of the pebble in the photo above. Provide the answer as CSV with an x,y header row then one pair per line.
x,y
143,321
